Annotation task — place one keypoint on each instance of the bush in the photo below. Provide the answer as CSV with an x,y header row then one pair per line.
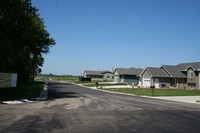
x,y
27,91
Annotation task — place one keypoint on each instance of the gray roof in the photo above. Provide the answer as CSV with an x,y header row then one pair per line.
x,y
121,70
184,66
157,72
129,71
103,72
174,71
88,72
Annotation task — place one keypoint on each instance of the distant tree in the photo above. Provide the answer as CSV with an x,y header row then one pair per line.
x,y
23,39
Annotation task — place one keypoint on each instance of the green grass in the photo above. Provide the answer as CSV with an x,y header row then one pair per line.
x,y
59,77
27,91
84,82
159,92
99,85
64,78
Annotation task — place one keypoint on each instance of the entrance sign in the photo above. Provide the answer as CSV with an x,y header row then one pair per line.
x,y
8,80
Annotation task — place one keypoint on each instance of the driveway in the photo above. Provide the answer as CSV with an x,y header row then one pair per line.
x,y
75,109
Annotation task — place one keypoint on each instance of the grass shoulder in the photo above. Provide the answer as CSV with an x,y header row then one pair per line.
x,y
100,84
26,91
158,92
59,77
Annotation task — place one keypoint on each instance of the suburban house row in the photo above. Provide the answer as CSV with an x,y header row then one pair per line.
x,y
185,75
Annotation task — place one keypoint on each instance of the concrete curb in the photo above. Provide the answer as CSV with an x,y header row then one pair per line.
x,y
159,98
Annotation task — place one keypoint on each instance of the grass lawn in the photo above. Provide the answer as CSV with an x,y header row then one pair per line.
x,y
64,78
27,91
159,92
59,77
99,85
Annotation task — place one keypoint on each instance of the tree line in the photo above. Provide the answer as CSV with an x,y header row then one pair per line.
x,y
23,39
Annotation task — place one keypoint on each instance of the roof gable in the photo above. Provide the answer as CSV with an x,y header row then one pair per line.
x,y
157,72
189,68
173,71
120,71
128,71
193,65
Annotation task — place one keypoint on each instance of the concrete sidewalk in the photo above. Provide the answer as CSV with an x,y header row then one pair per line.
x,y
186,99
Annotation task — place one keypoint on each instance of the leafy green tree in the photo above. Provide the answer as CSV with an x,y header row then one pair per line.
x,y
23,39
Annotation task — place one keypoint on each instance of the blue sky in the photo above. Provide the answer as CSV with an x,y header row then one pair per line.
x,y
102,34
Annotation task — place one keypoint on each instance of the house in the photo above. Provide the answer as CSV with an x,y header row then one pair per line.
x,y
99,75
127,75
152,76
185,75
107,76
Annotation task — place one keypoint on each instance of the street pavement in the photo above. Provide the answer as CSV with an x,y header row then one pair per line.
x,y
186,99
75,109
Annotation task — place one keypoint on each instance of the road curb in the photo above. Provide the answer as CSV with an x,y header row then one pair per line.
x,y
157,98
137,95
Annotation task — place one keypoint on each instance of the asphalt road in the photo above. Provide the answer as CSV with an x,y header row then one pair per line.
x,y
74,109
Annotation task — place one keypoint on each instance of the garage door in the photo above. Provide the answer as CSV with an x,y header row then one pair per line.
x,y
146,82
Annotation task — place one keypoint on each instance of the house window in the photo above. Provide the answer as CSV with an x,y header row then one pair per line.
x,y
108,76
190,74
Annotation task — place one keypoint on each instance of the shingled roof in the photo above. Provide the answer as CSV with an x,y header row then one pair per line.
x,y
157,72
194,65
99,73
174,71
129,71
88,72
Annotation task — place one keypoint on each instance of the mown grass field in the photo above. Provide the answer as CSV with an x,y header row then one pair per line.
x,y
102,84
159,92
59,77
28,91
64,78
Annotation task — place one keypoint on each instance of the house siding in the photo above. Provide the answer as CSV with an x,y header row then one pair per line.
x,y
199,80
194,79
125,78
193,83
84,75
182,83
108,77
179,83
163,82
130,80
116,77
145,74
95,77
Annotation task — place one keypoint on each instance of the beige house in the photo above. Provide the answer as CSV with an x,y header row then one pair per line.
x,y
127,75
99,75
185,75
